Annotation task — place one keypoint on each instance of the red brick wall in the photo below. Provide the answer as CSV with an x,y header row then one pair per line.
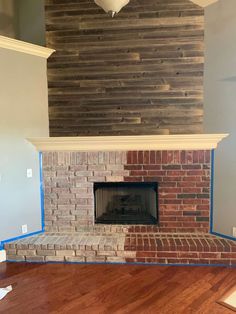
x,y
184,186
183,177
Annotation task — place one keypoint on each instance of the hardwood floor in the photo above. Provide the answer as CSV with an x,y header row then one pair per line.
x,y
74,288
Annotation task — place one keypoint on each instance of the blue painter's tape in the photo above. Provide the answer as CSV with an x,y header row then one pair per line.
x,y
212,189
41,190
22,236
133,263
212,201
41,205
223,236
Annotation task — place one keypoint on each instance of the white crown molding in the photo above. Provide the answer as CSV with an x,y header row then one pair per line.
x,y
3,256
204,3
124,143
21,46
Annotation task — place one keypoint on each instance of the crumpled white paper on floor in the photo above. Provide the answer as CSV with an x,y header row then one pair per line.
x,y
5,291
231,299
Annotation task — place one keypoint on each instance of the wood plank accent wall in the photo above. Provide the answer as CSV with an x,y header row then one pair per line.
x,y
139,73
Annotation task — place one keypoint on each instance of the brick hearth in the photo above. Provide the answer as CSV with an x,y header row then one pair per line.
x,y
120,248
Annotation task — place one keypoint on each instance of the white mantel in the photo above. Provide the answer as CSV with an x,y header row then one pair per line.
x,y
124,143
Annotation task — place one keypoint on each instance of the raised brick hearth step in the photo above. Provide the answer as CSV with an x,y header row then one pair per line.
x,y
181,249
132,247
78,247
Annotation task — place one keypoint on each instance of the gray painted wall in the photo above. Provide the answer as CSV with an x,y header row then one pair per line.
x,y
24,113
31,21
220,107
23,20
8,18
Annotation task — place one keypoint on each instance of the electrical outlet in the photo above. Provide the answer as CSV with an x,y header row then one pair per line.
x,y
29,173
234,232
24,229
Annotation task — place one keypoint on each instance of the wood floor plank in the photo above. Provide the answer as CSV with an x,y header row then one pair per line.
x,y
103,289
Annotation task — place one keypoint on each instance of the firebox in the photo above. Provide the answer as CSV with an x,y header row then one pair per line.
x,y
126,203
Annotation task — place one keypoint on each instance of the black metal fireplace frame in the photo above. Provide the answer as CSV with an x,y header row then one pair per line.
x,y
153,185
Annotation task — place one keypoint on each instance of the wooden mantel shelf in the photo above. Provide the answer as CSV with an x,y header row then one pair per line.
x,y
124,143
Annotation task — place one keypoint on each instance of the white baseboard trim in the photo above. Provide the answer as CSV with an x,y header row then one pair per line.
x,y
3,256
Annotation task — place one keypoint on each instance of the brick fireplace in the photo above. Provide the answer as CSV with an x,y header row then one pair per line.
x,y
183,178
177,169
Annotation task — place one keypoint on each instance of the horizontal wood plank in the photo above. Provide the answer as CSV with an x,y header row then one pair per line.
x,y
139,73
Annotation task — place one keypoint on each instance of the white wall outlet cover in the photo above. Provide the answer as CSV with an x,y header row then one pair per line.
x,y
29,173
3,256
24,229
234,232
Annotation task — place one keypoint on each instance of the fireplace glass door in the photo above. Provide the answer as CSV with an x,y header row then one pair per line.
x,y
126,203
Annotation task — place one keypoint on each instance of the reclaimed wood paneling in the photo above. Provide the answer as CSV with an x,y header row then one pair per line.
x,y
139,73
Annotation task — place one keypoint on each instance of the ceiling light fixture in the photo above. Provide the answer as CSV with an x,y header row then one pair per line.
x,y
112,7
204,3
